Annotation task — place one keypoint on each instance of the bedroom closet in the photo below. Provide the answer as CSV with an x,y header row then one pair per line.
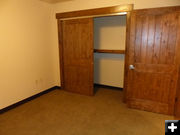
x,y
93,52
137,50
92,48
109,50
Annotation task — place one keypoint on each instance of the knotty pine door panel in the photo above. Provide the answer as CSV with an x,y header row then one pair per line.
x,y
153,52
78,55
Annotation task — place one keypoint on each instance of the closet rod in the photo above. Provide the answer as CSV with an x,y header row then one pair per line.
x,y
110,51
102,15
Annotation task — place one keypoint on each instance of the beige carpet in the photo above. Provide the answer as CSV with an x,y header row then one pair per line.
x,y
63,113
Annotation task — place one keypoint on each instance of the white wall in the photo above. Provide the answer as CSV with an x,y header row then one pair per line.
x,y
28,57
109,33
72,5
109,69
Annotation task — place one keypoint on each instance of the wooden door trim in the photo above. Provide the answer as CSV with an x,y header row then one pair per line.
x,y
126,64
61,60
157,10
97,11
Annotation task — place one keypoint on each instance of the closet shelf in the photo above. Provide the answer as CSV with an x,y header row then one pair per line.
x,y
109,51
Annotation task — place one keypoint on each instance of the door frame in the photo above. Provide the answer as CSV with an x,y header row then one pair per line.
x,y
98,12
106,11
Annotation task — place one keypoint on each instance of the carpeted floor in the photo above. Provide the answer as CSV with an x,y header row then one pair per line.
x,y
63,113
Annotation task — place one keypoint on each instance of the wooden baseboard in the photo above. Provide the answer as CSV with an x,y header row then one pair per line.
x,y
107,86
28,99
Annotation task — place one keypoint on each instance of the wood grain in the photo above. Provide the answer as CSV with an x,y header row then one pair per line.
x,y
78,55
90,12
98,11
61,60
152,50
149,105
109,51
127,53
177,60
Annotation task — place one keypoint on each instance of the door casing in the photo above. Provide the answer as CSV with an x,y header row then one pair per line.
x,y
104,12
109,11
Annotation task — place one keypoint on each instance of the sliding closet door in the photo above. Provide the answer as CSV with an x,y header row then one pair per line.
x,y
153,59
78,55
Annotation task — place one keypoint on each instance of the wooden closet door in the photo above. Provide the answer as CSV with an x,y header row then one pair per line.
x,y
78,55
153,59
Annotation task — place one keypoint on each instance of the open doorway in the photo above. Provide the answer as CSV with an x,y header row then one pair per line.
x,y
109,54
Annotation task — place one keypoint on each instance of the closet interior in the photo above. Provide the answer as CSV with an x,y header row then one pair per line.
x,y
109,50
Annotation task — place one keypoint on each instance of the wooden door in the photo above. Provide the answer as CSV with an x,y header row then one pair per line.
x,y
177,104
153,51
177,101
78,55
